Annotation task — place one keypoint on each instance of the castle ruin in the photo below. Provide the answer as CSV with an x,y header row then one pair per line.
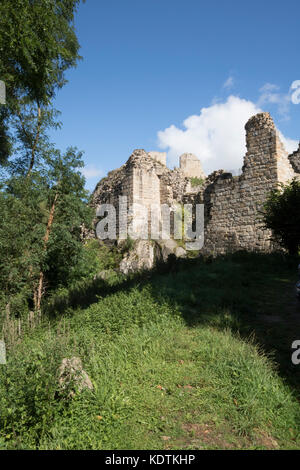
x,y
232,203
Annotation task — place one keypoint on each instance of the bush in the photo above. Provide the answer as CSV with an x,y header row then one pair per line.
x,y
281,214
195,181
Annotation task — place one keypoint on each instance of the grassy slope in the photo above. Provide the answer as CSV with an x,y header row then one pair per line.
x,y
170,359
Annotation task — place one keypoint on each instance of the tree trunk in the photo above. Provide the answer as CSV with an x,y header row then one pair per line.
x,y
33,150
39,293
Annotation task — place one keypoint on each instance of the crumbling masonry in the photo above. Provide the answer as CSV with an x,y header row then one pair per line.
x,y
232,203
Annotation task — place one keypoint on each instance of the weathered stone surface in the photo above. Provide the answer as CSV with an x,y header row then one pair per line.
x,y
142,257
191,166
161,157
232,203
144,181
72,377
294,159
168,247
145,254
180,252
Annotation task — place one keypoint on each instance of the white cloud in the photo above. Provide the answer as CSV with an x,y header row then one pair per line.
x,y
216,135
289,144
90,171
229,83
271,95
269,88
295,92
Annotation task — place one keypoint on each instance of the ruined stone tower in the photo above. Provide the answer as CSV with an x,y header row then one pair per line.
x,y
232,203
144,180
191,166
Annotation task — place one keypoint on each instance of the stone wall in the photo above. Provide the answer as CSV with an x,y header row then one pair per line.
x,y
294,159
161,157
232,203
146,189
191,166
145,181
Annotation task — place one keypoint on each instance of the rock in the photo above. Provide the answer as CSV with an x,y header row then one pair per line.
x,y
72,377
146,254
180,252
168,247
141,257
2,353
104,275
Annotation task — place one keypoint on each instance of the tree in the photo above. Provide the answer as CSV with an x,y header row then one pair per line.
x,y
281,214
37,45
5,137
42,196
40,233
66,210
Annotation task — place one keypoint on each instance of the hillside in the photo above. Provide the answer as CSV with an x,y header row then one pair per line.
x,y
195,355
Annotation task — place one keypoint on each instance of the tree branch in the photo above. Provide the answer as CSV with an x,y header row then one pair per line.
x,y
33,150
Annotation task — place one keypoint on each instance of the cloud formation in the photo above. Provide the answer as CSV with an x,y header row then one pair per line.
x,y
270,94
295,92
216,135
229,83
90,171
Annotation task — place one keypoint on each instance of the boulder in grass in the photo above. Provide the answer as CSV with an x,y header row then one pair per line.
x,y
72,376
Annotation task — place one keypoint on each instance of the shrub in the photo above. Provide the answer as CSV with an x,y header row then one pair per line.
x,y
281,214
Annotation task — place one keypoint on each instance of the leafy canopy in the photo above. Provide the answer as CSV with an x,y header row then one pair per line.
x,y
37,45
281,214
43,202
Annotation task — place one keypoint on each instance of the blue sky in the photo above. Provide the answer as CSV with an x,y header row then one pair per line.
x,y
178,75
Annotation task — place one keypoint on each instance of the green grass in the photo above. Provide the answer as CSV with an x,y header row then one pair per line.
x,y
188,358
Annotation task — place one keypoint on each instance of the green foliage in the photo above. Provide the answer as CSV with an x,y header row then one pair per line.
x,y
31,407
96,257
64,248
26,206
5,137
281,214
166,352
165,360
17,239
42,196
37,45
195,181
127,245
